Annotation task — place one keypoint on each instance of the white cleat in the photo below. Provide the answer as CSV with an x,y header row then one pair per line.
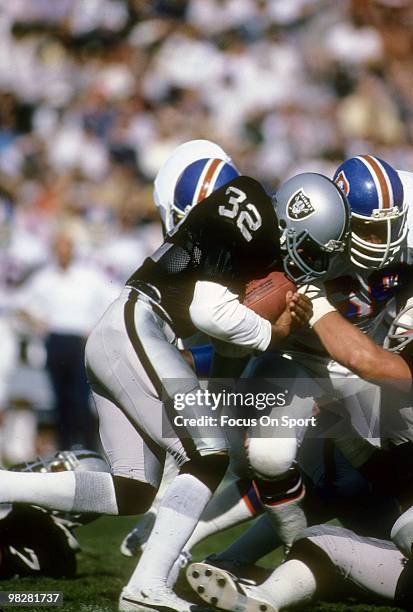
x,y
223,590
157,600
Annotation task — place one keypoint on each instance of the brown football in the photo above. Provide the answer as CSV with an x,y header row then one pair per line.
x,y
266,296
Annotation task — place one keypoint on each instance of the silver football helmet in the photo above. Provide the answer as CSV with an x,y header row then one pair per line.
x,y
314,222
65,461
400,333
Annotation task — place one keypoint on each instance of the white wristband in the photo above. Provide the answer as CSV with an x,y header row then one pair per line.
x,y
321,307
319,301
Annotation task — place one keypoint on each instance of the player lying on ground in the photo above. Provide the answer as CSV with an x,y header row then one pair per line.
x,y
38,542
325,562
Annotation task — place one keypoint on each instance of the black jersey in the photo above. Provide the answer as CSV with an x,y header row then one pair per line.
x,y
230,238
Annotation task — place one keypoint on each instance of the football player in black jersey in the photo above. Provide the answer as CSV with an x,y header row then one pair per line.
x,y
192,282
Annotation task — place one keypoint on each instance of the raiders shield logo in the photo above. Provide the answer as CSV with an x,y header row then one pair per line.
x,y
299,206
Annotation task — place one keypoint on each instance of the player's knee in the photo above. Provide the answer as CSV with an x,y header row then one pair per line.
x,y
271,458
402,533
209,469
132,496
284,490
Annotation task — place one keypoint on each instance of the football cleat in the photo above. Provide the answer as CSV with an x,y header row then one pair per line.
x,y
223,590
251,575
156,600
131,545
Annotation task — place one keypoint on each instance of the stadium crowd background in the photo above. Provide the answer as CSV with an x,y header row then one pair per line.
x,y
94,96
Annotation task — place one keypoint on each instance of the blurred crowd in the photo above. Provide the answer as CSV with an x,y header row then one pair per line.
x,y
94,96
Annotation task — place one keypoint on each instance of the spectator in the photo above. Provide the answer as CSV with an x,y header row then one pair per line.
x,y
63,301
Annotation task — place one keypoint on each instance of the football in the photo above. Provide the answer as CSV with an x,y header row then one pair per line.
x,y
266,296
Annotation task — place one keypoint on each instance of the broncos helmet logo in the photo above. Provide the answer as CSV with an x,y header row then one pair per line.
x,y
342,182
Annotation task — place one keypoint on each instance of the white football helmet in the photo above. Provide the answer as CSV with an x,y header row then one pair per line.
x,y
171,170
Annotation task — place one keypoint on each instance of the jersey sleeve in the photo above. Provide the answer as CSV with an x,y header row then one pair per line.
x,y
217,312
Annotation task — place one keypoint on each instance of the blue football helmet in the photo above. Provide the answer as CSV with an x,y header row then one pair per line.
x,y
378,211
172,168
197,182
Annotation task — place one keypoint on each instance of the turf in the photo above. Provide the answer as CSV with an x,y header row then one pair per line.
x,y
102,571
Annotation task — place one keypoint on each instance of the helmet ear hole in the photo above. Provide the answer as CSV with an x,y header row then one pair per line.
x,y
282,224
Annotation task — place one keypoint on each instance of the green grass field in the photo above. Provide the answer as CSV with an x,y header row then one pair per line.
x,y
102,571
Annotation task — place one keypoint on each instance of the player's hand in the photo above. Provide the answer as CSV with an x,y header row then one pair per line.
x,y
297,312
301,309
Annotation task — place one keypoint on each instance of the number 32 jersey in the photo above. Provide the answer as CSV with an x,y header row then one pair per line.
x,y
230,238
